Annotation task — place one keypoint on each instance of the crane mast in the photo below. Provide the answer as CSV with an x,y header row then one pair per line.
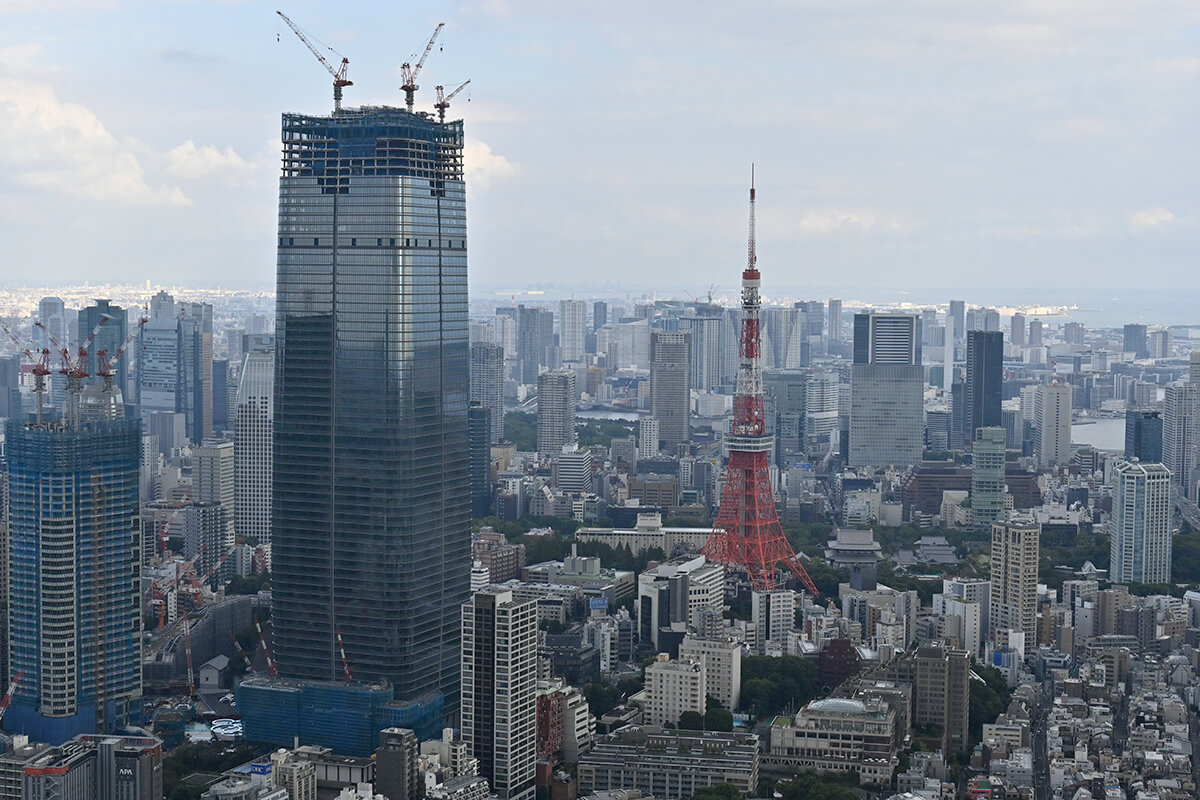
x,y
338,73
409,73
443,102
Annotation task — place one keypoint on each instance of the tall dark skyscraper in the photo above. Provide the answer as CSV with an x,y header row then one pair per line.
x,y
109,337
487,385
670,379
985,372
535,340
599,314
371,533
1135,341
1144,435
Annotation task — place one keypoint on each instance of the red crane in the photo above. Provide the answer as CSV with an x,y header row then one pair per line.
x,y
272,670
243,653
409,73
444,102
8,695
747,534
339,73
41,368
345,661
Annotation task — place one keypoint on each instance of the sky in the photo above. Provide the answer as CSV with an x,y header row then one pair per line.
x,y
902,144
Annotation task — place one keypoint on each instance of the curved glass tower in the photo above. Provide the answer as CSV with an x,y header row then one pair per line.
x,y
371,534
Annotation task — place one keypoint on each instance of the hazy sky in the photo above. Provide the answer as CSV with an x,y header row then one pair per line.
x,y
967,143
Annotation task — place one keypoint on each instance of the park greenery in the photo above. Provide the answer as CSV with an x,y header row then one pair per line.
x,y
988,699
774,685
520,428
210,759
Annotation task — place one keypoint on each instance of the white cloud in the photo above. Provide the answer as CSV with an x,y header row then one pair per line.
x,y
1150,219
63,147
484,167
191,162
830,221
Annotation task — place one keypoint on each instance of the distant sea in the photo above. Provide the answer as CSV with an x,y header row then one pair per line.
x,y
1103,434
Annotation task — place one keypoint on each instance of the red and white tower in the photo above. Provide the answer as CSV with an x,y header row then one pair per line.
x,y
747,534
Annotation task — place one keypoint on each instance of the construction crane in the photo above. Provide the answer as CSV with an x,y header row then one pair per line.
x,y
8,695
272,670
41,368
409,73
444,102
345,661
243,653
74,368
339,74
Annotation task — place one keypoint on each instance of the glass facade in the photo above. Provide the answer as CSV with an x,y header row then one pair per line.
x,y
74,595
371,534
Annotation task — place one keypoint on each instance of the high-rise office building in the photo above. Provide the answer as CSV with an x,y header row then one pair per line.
x,y
648,437
487,384
253,455
956,322
708,356
1052,424
1144,435
213,481
499,681
1135,341
52,314
1016,330
109,337
1180,426
670,386
535,340
74,596
1035,338
572,322
11,404
599,315
985,373
1073,333
175,363
222,382
887,418
479,423
371,534
1013,593
987,477
821,394
556,411
983,319
835,319
1140,526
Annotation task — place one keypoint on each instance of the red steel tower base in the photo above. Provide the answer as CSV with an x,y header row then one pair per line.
x,y
747,534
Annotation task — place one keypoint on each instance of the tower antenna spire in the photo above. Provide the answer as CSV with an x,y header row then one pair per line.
x,y
747,535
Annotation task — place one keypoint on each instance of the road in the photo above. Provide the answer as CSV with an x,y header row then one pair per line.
x,y
1189,511
1041,758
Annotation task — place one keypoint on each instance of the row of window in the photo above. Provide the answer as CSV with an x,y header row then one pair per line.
x,y
290,241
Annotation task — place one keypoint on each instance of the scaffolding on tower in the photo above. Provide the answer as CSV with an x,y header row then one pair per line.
x,y
747,535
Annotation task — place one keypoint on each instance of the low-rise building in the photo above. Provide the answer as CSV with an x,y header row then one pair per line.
x,y
669,764
837,735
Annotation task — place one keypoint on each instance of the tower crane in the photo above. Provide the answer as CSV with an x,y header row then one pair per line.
x,y
41,368
444,102
409,73
74,368
339,73
8,695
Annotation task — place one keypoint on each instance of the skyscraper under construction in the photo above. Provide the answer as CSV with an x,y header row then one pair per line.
x,y
371,529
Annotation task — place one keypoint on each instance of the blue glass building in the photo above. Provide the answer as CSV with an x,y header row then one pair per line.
x,y
75,621
371,530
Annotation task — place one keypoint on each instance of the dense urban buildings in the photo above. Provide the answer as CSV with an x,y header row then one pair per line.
x,y
371,486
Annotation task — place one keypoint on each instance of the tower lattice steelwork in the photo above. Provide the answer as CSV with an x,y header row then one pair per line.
x,y
747,534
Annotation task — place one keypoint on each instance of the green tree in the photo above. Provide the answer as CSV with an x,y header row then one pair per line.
x,y
773,685
691,721
718,719
988,699
718,791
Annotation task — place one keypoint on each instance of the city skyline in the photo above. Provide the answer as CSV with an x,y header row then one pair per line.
x,y
959,147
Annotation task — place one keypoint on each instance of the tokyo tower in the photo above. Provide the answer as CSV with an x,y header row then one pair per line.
x,y
747,534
